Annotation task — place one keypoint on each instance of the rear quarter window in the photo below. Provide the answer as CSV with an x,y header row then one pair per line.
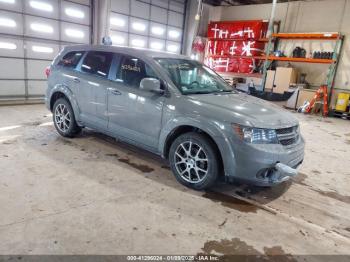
x,y
71,59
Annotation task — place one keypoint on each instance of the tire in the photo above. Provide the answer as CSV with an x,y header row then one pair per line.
x,y
189,169
65,123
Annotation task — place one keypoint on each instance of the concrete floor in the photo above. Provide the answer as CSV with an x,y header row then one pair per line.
x,y
92,195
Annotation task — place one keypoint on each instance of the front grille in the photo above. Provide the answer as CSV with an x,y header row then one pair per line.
x,y
287,130
288,136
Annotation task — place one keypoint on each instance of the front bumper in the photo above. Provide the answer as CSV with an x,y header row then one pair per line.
x,y
264,164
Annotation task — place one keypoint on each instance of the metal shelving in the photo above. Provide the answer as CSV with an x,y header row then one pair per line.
x,y
319,36
239,39
301,60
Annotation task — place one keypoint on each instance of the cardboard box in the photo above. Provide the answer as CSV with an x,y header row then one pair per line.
x,y
283,78
305,95
270,78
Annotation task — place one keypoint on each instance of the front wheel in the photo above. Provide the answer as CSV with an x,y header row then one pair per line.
x,y
64,119
193,160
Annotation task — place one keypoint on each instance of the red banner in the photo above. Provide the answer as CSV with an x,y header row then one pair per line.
x,y
231,43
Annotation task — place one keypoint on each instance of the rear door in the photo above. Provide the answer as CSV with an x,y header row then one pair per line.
x,y
93,83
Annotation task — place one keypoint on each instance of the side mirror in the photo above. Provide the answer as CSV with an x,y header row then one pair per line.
x,y
151,84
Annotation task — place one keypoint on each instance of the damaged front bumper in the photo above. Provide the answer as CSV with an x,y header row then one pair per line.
x,y
278,174
264,165
283,173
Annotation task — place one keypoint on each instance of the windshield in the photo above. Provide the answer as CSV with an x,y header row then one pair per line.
x,y
191,77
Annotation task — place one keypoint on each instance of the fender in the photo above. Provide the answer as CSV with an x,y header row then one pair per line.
x,y
214,129
59,88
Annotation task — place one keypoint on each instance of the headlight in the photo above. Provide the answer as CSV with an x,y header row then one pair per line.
x,y
255,135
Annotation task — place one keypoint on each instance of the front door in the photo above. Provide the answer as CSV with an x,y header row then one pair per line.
x,y
134,113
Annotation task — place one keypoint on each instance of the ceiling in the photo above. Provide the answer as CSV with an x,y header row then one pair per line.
x,y
241,2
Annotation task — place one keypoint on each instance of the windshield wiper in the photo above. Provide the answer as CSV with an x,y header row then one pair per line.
x,y
223,91
198,92
227,91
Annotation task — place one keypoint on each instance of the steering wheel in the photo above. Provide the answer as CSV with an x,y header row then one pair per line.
x,y
193,83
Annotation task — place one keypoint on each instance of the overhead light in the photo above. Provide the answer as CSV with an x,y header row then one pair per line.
x,y
74,33
157,30
139,26
138,42
6,45
7,22
117,22
41,6
7,1
172,48
74,13
173,33
157,45
118,40
42,49
41,28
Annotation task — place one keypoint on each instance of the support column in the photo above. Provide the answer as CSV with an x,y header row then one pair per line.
x,y
101,16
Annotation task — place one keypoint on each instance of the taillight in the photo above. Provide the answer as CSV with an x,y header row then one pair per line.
x,y
47,71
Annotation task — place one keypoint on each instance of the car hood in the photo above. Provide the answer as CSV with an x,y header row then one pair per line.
x,y
247,110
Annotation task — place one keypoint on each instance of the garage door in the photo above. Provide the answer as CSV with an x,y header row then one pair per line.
x,y
31,34
152,24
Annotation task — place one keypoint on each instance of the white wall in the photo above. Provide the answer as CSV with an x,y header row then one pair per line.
x,y
303,16
190,24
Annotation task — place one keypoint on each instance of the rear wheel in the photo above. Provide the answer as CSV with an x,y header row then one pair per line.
x,y
64,119
193,160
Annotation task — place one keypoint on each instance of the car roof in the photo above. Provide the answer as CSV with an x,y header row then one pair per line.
x,y
139,52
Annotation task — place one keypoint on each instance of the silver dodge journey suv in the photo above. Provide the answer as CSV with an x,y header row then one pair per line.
x,y
177,108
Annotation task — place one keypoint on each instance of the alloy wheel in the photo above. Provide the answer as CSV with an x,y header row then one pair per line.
x,y
191,162
62,118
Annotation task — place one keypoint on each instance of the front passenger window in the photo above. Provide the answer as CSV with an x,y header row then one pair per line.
x,y
132,70
97,63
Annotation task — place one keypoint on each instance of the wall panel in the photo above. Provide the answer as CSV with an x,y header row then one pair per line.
x,y
10,88
11,68
36,88
32,32
42,8
41,27
42,50
36,69
121,6
147,23
11,47
75,13
75,33
11,23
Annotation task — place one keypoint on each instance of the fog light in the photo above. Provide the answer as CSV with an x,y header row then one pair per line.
x,y
265,173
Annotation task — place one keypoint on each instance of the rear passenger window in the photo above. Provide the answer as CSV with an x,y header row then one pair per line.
x,y
97,63
132,70
71,59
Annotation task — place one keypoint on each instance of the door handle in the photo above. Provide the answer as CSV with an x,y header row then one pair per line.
x,y
76,80
115,91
